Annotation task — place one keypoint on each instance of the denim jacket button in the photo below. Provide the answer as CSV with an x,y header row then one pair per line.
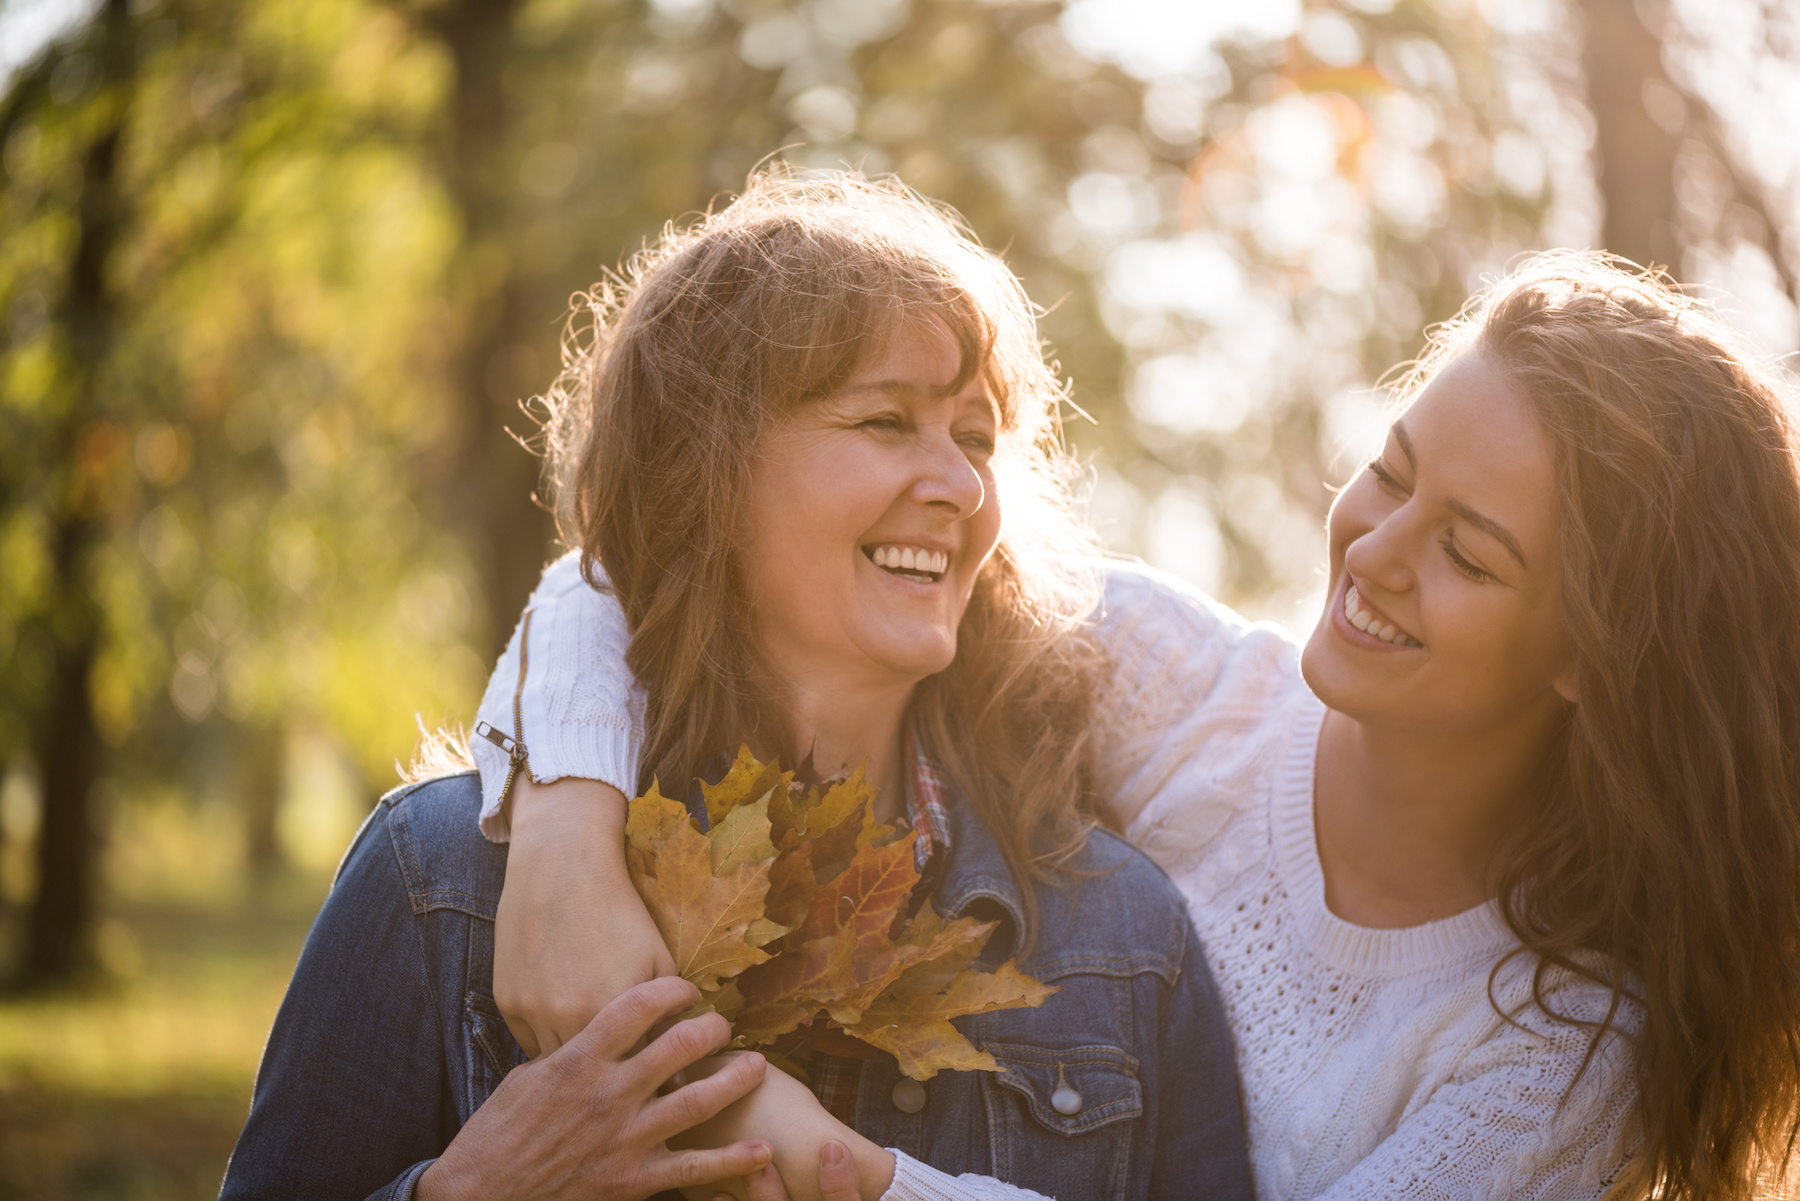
x,y
909,1096
1066,1101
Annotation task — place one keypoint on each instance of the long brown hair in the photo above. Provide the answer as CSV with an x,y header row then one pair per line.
x,y
673,371
1669,838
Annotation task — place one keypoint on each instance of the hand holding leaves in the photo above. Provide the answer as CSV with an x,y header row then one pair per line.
x,y
793,910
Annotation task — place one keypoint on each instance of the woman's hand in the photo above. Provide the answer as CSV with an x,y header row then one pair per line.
x,y
837,1179
586,1121
571,933
784,1113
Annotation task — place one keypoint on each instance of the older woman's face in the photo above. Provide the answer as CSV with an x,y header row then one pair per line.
x,y
871,511
1444,611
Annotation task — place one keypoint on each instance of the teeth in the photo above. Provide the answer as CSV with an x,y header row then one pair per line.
x,y
910,558
1368,624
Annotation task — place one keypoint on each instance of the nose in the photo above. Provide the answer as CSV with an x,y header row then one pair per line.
x,y
946,478
1382,554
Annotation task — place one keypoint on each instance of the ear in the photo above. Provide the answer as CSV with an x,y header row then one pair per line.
x,y
1565,684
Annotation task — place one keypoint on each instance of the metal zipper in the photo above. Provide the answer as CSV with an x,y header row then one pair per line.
x,y
514,747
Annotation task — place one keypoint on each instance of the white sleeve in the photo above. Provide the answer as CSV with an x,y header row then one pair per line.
x,y
1190,680
1502,1129
575,706
1186,669
914,1181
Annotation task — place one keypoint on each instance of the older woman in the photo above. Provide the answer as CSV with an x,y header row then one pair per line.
x,y
813,442
1500,875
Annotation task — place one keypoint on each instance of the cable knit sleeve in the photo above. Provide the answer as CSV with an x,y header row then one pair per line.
x,y
915,1181
574,705
1191,681
1188,674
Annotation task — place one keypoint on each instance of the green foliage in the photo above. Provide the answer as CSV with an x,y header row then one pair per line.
x,y
343,235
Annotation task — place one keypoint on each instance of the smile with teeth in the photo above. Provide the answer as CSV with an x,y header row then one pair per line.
x,y
912,562
1368,623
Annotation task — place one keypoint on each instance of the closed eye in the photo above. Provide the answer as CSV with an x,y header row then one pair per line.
x,y
886,421
1383,476
1479,575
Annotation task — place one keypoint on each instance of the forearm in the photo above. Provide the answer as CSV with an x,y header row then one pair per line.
x,y
571,932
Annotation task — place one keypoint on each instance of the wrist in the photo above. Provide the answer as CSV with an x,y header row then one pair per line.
x,y
585,812
435,1183
874,1168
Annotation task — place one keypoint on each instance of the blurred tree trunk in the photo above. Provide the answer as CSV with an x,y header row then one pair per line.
x,y
66,741
1622,59
260,765
490,481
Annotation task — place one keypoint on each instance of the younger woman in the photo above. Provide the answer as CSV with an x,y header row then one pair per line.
x,y
1500,876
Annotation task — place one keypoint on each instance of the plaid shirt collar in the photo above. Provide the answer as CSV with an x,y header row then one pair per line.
x,y
926,809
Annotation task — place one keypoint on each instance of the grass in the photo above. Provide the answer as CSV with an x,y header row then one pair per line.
x,y
135,1085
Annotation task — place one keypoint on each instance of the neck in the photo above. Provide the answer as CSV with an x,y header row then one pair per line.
x,y
849,726
1413,825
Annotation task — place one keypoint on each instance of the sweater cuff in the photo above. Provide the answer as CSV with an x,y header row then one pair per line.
x,y
588,751
914,1181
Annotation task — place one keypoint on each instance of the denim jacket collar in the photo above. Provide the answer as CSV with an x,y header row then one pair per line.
x,y
977,870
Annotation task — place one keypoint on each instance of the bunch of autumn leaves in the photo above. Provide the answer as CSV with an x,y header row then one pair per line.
x,y
792,915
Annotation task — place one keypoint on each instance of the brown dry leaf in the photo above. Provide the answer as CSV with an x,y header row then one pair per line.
x,y
702,917
791,882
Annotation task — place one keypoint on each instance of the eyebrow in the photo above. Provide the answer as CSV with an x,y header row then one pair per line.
x,y
1474,517
886,387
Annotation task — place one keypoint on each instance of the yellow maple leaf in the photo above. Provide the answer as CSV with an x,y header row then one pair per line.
x,y
911,1020
742,837
703,917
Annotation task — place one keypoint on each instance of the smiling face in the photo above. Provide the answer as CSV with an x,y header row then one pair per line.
x,y
871,512
1443,611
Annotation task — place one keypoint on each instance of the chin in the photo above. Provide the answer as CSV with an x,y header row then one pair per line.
x,y
917,659
1330,678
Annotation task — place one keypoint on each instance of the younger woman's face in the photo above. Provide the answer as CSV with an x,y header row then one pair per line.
x,y
1443,611
871,512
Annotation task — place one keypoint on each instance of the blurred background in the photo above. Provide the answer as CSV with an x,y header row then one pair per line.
x,y
279,277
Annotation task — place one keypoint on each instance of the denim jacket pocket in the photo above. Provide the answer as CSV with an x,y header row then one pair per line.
x,y
1103,1080
1085,1153
491,1050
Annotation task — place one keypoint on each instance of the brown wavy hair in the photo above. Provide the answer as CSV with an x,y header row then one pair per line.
x,y
1669,838
672,370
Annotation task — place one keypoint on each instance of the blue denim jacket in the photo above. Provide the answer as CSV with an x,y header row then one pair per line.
x,y
389,1039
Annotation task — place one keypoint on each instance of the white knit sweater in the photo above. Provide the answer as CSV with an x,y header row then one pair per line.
x,y
1373,1062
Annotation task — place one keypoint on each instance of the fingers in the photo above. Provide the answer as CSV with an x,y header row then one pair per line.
x,y
694,1103
618,1027
837,1173
765,1185
689,1169
681,1046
